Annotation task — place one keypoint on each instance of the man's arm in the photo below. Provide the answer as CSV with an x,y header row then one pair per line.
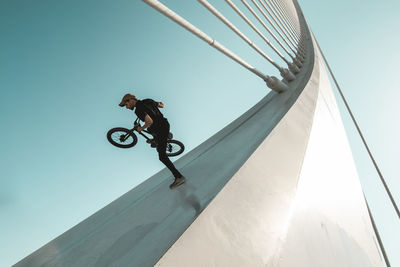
x,y
147,122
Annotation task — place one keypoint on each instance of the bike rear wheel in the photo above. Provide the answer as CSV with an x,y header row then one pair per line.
x,y
121,137
174,148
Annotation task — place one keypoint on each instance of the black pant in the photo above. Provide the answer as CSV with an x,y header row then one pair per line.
x,y
161,132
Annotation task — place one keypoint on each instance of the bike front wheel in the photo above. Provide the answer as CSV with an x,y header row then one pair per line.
x,y
121,137
174,148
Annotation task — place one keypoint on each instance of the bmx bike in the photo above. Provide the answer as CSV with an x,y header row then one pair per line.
x,y
126,138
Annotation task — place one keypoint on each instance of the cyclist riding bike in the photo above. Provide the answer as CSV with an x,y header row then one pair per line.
x,y
148,111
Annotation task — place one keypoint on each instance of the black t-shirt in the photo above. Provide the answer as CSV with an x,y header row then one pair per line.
x,y
149,107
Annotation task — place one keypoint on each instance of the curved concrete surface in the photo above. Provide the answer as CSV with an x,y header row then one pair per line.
x,y
330,224
139,227
280,211
247,220
242,203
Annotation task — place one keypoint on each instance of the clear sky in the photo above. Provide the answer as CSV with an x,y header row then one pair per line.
x,y
65,66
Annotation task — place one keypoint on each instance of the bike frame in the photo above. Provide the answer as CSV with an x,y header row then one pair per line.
x,y
174,147
136,124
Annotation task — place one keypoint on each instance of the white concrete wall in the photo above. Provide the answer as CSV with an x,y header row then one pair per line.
x,y
297,200
330,225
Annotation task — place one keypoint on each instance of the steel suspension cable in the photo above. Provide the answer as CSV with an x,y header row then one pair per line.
x,y
298,37
243,16
285,9
292,46
288,25
294,67
216,13
287,17
272,82
360,133
281,20
298,47
284,14
282,25
292,17
266,27
377,234
295,15
292,13
240,13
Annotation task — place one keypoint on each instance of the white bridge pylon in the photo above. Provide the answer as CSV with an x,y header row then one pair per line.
x,y
276,187
296,201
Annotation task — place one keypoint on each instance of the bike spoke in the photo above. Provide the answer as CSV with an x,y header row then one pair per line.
x,y
172,148
118,136
121,137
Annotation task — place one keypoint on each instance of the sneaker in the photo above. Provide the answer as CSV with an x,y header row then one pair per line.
x,y
177,182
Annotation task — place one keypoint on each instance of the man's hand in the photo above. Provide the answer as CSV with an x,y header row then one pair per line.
x,y
139,129
136,126
147,122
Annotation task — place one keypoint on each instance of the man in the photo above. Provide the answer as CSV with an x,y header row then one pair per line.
x,y
147,111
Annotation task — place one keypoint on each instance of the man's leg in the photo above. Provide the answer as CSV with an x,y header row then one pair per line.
x,y
161,139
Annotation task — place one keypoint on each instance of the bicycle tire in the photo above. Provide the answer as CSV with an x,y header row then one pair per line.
x,y
114,136
170,147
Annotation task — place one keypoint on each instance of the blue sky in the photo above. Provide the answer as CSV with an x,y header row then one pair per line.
x,y
66,65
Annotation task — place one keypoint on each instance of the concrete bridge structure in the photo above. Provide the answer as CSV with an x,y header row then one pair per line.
x,y
276,187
